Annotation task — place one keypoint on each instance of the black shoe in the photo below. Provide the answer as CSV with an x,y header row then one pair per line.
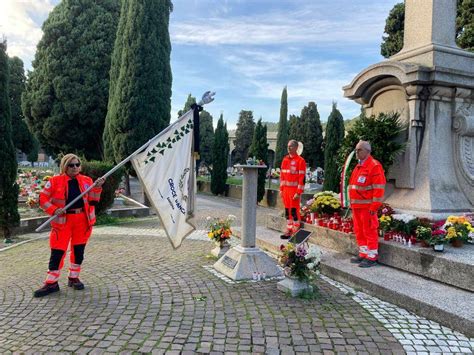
x,y
357,259
75,283
46,290
368,263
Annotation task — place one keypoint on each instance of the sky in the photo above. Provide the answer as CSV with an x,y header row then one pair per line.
x,y
247,51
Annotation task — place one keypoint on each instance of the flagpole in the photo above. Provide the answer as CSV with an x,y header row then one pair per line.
x,y
206,98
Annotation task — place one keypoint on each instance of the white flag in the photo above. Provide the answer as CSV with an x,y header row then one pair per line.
x,y
166,170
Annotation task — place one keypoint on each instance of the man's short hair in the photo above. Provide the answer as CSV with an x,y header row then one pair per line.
x,y
366,145
293,142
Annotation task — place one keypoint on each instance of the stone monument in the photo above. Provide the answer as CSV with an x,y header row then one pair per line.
x,y
242,261
430,83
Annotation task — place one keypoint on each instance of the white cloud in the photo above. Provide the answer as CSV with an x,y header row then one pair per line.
x,y
20,23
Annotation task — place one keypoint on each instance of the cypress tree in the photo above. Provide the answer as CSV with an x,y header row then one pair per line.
x,y
65,101
9,216
295,129
187,106
312,136
220,153
259,149
282,135
206,136
333,141
243,135
22,137
140,90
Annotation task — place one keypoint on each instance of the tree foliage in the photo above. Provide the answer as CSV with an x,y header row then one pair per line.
x,y
22,137
206,136
140,87
243,136
394,28
333,140
312,136
465,25
282,136
259,149
187,106
382,132
220,153
9,216
295,129
65,101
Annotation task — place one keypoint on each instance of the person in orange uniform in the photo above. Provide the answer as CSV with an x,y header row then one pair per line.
x,y
72,226
292,174
366,190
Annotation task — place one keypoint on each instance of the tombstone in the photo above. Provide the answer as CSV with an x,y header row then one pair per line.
x,y
430,82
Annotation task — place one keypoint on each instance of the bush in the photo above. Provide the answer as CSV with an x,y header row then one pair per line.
x,y
383,132
96,169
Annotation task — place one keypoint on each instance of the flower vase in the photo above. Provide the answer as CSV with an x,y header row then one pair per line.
x,y
424,243
438,247
221,248
457,243
293,286
313,217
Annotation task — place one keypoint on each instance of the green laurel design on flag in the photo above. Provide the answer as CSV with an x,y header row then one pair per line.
x,y
163,146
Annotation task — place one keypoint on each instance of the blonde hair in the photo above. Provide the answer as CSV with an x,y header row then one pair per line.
x,y
66,160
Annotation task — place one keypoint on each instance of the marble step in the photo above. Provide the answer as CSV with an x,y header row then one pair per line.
x,y
455,266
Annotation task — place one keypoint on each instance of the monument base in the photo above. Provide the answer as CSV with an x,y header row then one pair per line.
x,y
293,286
240,263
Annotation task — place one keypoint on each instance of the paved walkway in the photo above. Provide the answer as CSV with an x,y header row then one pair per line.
x,y
142,296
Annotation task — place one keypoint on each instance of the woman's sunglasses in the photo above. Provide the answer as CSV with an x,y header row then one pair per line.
x,y
72,165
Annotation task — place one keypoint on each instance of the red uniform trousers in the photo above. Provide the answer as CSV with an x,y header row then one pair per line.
x,y
76,231
366,231
289,203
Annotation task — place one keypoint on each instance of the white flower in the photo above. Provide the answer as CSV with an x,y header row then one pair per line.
x,y
310,266
403,217
232,217
208,218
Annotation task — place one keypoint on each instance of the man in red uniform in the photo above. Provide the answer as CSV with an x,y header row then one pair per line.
x,y
292,174
366,190
72,226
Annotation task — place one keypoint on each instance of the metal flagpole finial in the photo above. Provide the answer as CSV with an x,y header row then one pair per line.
x,y
206,98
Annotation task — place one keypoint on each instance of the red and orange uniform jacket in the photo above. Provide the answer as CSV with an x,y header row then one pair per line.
x,y
292,173
367,185
55,192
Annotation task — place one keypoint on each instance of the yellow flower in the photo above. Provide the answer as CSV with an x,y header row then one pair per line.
x,y
452,219
210,235
451,233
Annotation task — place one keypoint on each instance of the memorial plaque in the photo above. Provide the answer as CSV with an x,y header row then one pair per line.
x,y
229,262
300,237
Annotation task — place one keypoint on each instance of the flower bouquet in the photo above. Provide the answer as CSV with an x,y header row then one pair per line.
x,y
457,230
404,224
385,209
219,228
300,262
220,232
326,202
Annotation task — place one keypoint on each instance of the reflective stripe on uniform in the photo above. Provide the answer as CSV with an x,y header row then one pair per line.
x,y
58,201
74,270
47,205
361,202
52,276
377,199
288,183
94,195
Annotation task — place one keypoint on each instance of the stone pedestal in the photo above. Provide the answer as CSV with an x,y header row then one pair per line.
x,y
293,286
240,262
220,249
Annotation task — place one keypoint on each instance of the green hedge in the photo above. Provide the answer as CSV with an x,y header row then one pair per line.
x,y
96,169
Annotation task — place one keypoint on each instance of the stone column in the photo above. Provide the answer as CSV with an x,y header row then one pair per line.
x,y
249,206
240,262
